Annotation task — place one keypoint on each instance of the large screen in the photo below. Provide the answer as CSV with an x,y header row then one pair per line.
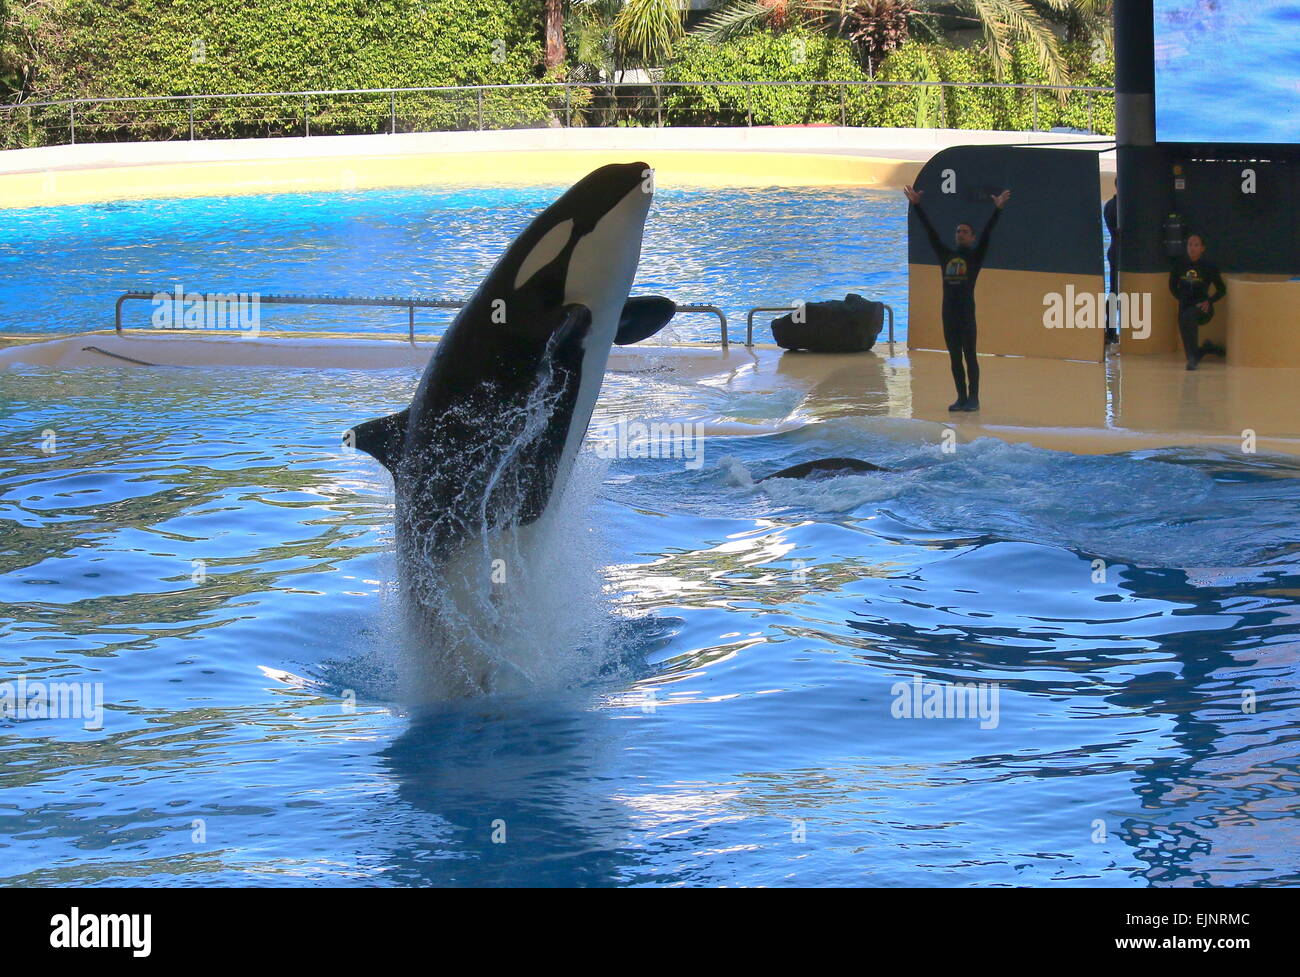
x,y
1227,71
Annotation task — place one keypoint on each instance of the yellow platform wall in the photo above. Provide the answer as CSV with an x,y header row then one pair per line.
x,y
1263,321
1009,308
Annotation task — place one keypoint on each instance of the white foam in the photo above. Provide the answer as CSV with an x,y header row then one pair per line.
x,y
735,472
517,612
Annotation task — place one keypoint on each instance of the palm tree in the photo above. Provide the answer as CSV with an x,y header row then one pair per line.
x,y
637,31
1085,20
553,30
646,30
608,37
591,34
879,26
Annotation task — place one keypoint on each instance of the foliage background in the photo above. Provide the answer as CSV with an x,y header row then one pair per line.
x,y
94,48
62,49
799,56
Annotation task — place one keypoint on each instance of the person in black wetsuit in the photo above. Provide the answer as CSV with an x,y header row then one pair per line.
x,y
1190,279
1110,213
961,266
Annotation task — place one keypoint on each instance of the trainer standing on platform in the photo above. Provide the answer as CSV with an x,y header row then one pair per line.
x,y
961,267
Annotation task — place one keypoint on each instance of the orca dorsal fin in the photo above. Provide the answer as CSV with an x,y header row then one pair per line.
x,y
383,438
643,316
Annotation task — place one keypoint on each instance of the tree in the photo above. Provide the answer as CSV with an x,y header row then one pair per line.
x,y
1085,20
553,30
611,35
645,30
879,26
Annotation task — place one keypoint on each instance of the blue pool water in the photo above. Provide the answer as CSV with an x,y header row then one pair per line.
x,y
721,710
252,732
63,268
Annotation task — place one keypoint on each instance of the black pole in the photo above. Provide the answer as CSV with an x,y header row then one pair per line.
x,y
1135,75
1142,194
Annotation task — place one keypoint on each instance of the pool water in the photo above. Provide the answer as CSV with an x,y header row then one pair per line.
x,y
199,545
62,269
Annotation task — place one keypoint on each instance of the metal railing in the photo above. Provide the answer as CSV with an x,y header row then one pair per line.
x,y
710,310
461,107
749,320
409,303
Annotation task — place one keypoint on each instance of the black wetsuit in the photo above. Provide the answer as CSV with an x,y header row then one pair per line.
x,y
1190,282
961,266
1110,214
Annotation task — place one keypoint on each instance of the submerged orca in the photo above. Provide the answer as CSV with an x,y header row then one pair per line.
x,y
490,436
825,468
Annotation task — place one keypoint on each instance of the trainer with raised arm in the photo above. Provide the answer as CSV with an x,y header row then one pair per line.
x,y
961,267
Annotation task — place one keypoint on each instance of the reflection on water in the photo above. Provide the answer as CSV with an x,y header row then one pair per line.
x,y
198,543
62,268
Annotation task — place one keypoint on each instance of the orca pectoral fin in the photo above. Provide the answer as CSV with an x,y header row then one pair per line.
x,y
383,438
643,316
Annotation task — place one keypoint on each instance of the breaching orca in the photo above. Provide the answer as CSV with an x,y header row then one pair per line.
x,y
491,434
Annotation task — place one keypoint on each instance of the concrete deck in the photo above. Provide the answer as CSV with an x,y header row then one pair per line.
x,y
760,156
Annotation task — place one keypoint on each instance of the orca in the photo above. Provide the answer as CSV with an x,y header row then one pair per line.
x,y
490,436
642,317
825,468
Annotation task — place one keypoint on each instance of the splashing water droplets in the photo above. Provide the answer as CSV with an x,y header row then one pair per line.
x,y
490,603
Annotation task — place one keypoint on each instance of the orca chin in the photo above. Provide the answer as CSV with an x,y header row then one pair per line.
x,y
489,439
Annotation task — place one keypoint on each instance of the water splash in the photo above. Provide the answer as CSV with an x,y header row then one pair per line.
x,y
504,605
1165,508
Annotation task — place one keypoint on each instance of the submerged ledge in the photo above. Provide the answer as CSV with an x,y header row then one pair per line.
x,y
1137,403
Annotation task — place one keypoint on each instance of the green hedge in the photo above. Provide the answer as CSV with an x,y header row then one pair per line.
x,y
792,56
1005,109
97,48
93,48
798,56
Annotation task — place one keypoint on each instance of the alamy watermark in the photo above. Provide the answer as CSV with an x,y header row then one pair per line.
x,y
179,309
676,440
23,700
919,699
75,930
1094,310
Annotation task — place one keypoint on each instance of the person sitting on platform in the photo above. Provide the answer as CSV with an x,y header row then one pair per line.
x,y
1190,279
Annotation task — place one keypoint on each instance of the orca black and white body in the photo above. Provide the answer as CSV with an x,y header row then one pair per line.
x,y
491,435
825,468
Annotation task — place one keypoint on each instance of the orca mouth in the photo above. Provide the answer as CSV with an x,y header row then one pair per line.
x,y
601,263
610,185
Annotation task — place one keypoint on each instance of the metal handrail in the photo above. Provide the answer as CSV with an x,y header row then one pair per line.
x,y
409,303
712,310
858,83
749,320
187,102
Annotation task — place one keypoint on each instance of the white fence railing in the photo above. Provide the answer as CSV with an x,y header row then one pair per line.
x,y
1009,106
